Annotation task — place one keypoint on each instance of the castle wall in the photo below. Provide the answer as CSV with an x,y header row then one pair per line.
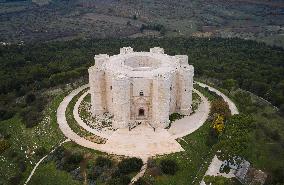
x,y
141,85
97,90
160,101
141,101
121,101
186,87
108,92
174,93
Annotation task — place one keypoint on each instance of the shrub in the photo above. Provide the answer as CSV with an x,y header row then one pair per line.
x,y
122,180
220,107
103,162
151,163
4,144
16,179
30,97
141,182
175,116
154,171
129,165
71,162
212,137
169,166
41,151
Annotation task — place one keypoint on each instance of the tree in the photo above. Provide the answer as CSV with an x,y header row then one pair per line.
x,y
218,124
103,162
129,165
169,166
229,84
220,107
30,98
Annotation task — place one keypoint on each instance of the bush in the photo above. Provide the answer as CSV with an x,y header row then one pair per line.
x,y
71,162
103,162
4,144
31,117
169,166
212,137
141,182
175,116
16,179
30,97
220,107
122,180
129,165
41,151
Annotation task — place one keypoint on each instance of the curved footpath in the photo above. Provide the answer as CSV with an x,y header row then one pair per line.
x,y
64,127
232,106
81,122
189,124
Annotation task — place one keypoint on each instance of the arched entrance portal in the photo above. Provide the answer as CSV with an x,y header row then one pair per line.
x,y
141,112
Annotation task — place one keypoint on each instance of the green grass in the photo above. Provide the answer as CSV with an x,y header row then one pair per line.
x,y
205,92
71,120
46,134
266,151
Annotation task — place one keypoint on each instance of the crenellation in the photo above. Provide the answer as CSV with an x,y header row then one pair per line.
x,y
157,50
101,59
126,50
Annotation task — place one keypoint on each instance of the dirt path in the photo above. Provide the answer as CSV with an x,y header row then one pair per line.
x,y
140,174
232,106
38,163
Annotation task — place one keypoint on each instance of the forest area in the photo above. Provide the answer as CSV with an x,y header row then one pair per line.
x,y
28,70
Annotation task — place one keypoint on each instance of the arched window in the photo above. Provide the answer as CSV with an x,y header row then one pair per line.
x,y
141,93
110,87
141,112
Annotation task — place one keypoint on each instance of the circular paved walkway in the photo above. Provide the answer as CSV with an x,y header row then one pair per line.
x,y
141,141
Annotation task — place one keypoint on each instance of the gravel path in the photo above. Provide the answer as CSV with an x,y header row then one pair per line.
x,y
81,122
140,174
64,127
189,124
232,106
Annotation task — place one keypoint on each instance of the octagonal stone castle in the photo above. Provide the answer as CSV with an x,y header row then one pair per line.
x,y
141,87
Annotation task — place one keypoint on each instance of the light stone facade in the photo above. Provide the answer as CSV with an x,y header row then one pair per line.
x,y
141,87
